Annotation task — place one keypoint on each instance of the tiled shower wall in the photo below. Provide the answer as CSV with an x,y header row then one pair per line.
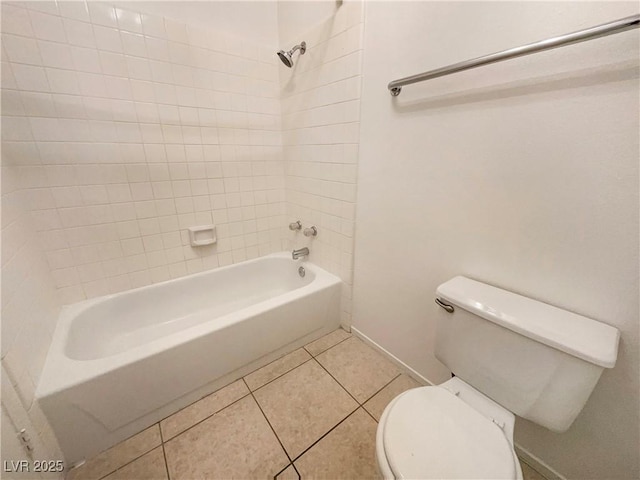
x,y
29,313
126,129
321,123
29,301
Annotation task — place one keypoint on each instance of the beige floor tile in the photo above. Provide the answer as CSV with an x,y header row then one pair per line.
x,y
303,405
529,473
150,466
196,412
359,368
318,346
236,442
288,474
347,452
118,455
376,405
277,368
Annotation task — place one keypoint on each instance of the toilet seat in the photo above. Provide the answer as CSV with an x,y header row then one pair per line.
x,y
429,432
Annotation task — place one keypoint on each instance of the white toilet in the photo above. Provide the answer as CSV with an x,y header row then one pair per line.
x,y
511,356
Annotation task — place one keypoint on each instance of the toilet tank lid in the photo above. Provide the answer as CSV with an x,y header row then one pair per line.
x,y
582,337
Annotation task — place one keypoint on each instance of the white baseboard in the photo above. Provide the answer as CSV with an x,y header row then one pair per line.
x,y
534,462
538,465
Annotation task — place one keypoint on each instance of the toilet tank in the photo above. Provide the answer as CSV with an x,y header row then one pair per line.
x,y
538,361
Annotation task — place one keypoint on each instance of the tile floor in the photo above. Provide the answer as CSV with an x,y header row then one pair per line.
x,y
310,414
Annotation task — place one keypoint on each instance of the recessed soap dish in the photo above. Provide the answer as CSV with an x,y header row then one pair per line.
x,y
202,235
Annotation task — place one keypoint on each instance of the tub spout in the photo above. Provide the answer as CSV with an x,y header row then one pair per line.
x,y
301,252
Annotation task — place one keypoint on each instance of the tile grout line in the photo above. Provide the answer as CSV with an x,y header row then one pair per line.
x,y
334,378
270,426
206,418
369,413
164,453
329,348
369,397
130,461
325,434
279,376
276,475
196,401
345,389
382,388
296,470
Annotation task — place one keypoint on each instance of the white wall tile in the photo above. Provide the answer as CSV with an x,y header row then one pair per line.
x,y
153,26
134,44
79,33
47,27
129,21
16,20
55,55
102,14
63,81
21,49
77,10
107,39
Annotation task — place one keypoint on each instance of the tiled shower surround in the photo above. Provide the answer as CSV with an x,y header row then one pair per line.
x,y
128,129
321,133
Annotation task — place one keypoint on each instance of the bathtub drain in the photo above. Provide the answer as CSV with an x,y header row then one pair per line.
x,y
301,271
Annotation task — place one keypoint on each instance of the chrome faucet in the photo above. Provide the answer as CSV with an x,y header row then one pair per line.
x,y
301,252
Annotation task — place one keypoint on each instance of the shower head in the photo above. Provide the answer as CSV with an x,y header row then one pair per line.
x,y
287,57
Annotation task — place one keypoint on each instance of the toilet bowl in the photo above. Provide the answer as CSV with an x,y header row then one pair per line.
x,y
448,431
511,356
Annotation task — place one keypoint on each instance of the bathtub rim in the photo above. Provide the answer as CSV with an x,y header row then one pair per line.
x,y
76,371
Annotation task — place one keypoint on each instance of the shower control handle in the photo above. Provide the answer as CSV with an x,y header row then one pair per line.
x,y
310,232
295,226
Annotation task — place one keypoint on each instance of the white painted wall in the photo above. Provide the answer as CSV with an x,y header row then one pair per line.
x,y
523,174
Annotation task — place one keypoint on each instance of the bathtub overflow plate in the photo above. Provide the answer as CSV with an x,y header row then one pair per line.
x,y
301,272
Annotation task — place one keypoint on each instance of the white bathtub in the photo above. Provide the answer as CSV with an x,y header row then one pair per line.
x,y
120,363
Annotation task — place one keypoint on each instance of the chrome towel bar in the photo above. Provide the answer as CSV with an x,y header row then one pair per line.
x,y
603,30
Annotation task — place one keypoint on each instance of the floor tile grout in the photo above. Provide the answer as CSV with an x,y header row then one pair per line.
x,y
382,388
270,426
325,434
274,361
131,461
290,464
347,390
164,453
194,402
296,469
369,413
328,348
336,380
279,376
206,418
